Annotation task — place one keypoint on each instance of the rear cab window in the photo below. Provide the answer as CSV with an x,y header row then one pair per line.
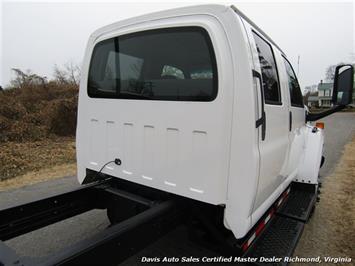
x,y
176,64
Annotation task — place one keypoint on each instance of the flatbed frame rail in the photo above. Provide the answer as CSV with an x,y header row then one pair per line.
x,y
114,244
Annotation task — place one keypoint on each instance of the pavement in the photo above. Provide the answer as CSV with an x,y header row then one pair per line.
x,y
339,129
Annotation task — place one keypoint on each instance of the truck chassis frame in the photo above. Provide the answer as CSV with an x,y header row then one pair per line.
x,y
154,214
157,218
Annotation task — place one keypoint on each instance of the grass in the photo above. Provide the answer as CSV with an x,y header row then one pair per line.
x,y
331,230
37,129
34,113
19,158
34,177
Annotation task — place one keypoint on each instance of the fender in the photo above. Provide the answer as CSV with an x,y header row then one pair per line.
x,y
311,160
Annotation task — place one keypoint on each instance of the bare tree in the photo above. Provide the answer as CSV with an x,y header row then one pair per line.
x,y
306,96
74,73
68,74
23,79
59,75
329,73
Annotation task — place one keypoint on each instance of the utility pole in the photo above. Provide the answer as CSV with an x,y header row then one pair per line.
x,y
298,64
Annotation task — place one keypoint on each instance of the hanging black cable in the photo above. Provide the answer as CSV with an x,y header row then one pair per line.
x,y
117,161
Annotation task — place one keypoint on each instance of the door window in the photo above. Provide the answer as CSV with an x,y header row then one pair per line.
x,y
294,88
268,71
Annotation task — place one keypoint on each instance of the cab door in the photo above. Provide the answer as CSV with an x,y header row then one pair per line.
x,y
273,140
296,118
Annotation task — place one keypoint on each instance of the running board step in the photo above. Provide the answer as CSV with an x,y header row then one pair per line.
x,y
277,241
300,202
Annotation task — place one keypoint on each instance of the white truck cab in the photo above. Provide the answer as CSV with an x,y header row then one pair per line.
x,y
198,102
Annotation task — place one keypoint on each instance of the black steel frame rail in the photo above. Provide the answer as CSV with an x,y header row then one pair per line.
x,y
120,241
109,247
25,218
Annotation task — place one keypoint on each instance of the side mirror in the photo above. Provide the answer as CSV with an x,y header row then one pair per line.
x,y
343,85
342,92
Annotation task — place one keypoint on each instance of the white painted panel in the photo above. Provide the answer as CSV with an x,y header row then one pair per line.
x,y
148,153
155,138
172,155
96,149
309,166
200,155
128,149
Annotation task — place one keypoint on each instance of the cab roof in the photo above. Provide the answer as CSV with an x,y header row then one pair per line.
x,y
212,9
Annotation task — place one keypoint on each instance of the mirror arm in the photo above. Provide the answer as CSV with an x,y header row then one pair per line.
x,y
315,116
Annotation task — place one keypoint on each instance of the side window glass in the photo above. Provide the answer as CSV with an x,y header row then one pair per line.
x,y
294,88
268,71
110,69
103,74
133,69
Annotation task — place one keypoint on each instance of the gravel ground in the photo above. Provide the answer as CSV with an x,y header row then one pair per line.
x,y
339,128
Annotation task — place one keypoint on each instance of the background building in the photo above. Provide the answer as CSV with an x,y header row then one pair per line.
x,y
325,93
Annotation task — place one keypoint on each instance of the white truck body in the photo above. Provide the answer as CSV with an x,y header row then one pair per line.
x,y
209,151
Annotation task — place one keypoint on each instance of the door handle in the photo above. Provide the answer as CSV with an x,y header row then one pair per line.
x,y
290,125
262,120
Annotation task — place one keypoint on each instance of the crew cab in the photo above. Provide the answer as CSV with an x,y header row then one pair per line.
x,y
198,102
